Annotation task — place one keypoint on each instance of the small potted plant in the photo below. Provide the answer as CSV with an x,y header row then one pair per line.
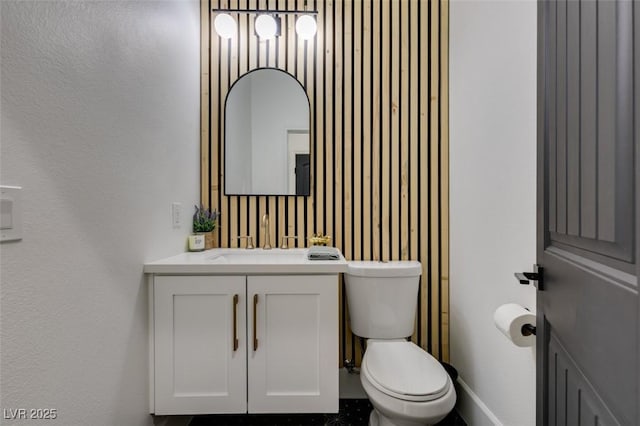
x,y
205,222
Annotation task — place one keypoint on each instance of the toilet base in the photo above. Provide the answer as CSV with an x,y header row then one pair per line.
x,y
389,411
378,419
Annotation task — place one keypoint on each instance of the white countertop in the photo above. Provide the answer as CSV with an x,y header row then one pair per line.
x,y
245,262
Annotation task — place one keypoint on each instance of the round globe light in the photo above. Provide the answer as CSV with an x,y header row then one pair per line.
x,y
225,25
306,27
266,26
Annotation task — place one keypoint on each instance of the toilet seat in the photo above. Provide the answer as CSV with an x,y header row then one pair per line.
x,y
405,371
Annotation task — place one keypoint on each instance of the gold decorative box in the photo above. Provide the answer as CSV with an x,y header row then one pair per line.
x,y
319,240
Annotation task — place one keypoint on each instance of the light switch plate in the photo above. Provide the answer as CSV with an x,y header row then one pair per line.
x,y
176,214
10,213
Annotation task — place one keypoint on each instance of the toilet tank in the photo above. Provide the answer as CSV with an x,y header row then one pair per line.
x,y
382,298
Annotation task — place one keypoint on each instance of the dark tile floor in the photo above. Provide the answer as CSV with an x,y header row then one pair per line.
x,y
353,412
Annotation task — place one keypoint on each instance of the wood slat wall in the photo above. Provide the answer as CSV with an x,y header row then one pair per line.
x,y
376,77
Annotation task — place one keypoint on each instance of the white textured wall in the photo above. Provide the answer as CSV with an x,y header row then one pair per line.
x,y
100,126
493,156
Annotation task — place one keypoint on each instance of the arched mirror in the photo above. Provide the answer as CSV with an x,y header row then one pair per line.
x,y
267,144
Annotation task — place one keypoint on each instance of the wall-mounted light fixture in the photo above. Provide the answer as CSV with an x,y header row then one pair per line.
x,y
267,22
267,26
306,27
225,25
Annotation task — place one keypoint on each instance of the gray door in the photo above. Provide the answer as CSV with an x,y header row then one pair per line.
x,y
588,216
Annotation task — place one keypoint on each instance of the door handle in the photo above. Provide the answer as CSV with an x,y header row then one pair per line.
x,y
255,325
537,277
235,322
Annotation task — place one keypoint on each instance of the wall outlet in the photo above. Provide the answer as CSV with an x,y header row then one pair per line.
x,y
176,214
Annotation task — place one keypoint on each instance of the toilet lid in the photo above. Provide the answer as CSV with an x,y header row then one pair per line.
x,y
405,371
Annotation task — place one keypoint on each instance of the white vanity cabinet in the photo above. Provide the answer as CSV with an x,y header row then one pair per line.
x,y
238,343
293,344
197,367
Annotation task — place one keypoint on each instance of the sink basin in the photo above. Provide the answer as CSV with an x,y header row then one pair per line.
x,y
246,262
247,257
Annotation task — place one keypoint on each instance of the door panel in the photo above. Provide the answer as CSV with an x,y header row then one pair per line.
x,y
293,368
292,372
196,360
589,134
586,303
572,400
587,223
197,370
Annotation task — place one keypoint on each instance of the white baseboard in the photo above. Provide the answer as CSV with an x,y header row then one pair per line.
x,y
472,409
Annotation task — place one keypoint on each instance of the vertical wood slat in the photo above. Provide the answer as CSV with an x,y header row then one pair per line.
x,y
443,122
271,201
312,54
367,127
335,153
423,174
205,125
434,189
414,167
403,132
394,133
385,129
234,65
348,130
244,66
329,123
376,123
357,84
213,118
338,209
223,88
347,154
375,75
319,169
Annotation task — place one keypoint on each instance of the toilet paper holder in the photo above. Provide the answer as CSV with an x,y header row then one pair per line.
x,y
528,330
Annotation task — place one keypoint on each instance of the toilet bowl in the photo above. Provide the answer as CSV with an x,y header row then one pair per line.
x,y
405,384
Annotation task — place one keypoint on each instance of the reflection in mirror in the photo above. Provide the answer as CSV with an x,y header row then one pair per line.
x,y
267,135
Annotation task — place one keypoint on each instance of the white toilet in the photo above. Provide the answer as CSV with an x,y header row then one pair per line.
x,y
405,384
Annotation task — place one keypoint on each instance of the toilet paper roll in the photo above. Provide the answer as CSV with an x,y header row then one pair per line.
x,y
510,318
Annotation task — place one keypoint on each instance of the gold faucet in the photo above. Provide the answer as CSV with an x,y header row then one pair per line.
x,y
267,237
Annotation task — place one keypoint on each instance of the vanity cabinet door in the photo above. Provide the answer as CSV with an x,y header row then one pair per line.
x,y
200,367
293,343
